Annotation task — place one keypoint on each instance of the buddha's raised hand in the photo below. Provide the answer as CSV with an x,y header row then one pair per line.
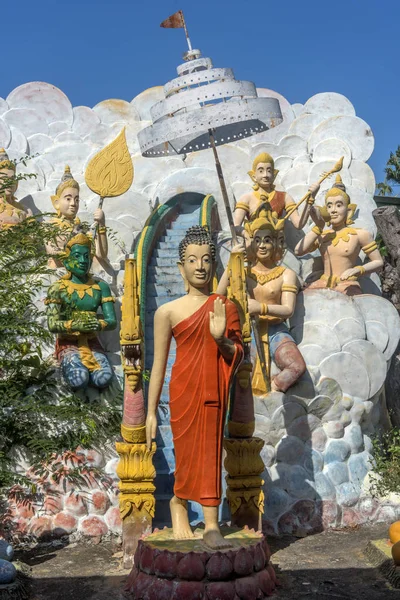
x,y
218,320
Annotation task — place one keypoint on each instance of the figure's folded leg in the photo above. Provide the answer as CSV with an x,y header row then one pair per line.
x,y
101,378
288,358
74,372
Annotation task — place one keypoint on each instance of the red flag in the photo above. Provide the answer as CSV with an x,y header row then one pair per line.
x,y
175,20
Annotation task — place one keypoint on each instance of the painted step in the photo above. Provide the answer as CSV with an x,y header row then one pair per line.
x,y
170,245
185,221
187,215
164,261
183,226
171,255
172,234
160,273
168,242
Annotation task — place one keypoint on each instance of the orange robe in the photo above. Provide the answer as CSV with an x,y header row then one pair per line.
x,y
199,397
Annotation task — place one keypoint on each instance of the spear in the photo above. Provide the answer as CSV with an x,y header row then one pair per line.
x,y
337,167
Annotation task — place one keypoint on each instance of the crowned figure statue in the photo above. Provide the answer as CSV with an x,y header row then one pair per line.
x,y
72,306
272,289
263,174
66,203
340,245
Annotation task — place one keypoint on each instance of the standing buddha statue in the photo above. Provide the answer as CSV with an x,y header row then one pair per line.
x,y
206,328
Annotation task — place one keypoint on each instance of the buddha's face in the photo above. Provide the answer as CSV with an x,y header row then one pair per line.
x,y
337,209
68,203
264,244
5,176
264,174
78,262
197,267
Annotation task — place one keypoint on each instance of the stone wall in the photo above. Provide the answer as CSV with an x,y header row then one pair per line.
x,y
318,434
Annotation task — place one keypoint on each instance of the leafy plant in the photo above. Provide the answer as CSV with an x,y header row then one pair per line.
x,y
39,417
386,454
381,245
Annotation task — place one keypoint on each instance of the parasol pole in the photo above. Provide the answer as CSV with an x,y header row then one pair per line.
x,y
222,185
256,333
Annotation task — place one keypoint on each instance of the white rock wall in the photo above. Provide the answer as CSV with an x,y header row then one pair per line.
x,y
318,434
38,118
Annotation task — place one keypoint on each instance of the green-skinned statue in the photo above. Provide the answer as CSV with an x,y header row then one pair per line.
x,y
72,305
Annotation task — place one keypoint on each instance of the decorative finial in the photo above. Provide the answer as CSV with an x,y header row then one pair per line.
x,y
67,174
339,183
67,180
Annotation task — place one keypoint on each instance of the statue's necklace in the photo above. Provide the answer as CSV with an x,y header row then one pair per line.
x,y
263,278
65,223
80,288
335,236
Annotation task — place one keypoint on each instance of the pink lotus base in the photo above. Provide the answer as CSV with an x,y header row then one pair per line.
x,y
168,569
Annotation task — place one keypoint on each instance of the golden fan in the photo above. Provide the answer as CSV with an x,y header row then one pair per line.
x,y
110,172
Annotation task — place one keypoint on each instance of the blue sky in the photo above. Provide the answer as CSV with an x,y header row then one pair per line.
x,y
94,50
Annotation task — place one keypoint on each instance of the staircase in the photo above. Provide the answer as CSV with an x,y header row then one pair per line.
x,y
164,283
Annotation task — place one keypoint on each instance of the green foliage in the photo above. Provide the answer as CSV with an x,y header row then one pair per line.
x,y
38,415
386,453
384,189
381,245
392,171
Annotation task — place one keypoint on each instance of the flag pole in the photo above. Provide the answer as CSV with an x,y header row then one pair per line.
x,y
186,31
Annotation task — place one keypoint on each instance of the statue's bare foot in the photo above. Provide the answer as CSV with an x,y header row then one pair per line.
x,y
214,539
180,520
